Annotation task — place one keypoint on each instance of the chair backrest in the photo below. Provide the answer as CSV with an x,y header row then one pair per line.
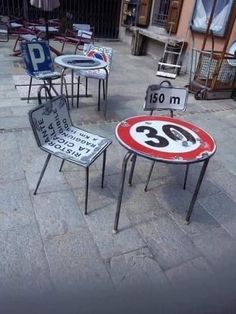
x,y
85,27
99,52
165,97
4,32
84,31
49,119
37,57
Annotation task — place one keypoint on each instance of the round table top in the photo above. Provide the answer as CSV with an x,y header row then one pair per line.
x,y
165,139
78,62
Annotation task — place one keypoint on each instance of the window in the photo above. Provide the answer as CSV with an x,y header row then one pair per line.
x,y
202,12
160,12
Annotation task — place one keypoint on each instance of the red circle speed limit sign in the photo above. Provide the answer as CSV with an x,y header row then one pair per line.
x,y
165,138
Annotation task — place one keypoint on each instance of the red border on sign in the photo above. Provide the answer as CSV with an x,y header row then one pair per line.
x,y
123,135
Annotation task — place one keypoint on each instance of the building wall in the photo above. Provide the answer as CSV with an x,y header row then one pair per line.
x,y
155,48
185,19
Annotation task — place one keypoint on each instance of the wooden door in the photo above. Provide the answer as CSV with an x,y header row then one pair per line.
x,y
144,12
174,15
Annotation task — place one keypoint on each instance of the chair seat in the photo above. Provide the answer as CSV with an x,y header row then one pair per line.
x,y
29,37
16,25
47,75
99,74
77,145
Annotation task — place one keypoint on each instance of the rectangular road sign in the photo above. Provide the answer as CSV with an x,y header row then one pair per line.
x,y
160,97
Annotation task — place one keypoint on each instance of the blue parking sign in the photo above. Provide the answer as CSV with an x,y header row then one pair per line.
x,y
37,57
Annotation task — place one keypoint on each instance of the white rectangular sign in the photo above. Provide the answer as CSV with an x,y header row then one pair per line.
x,y
162,97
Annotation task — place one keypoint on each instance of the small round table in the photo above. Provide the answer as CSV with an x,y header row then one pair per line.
x,y
164,139
78,62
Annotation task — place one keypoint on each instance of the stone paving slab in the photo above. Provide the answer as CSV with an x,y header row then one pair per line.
x,y
170,246
136,269
57,213
223,209
10,166
24,267
189,272
100,224
75,264
15,205
222,247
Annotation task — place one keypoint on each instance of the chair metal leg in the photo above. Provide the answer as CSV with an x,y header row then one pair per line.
x,y
149,176
62,163
72,88
133,160
186,176
104,89
52,87
106,93
62,81
42,172
30,85
195,194
66,89
78,91
16,42
62,47
99,92
86,191
122,181
86,87
103,167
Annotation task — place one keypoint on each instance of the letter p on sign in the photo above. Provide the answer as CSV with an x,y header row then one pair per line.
x,y
37,55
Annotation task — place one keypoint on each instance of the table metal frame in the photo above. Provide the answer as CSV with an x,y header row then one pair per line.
x,y
73,67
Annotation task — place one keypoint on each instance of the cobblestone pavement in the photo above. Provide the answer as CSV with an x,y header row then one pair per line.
x,y
55,259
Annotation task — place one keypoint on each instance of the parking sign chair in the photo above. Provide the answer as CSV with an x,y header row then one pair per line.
x,y
39,65
57,136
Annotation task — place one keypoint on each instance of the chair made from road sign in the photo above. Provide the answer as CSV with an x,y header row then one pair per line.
x,y
26,35
158,98
56,135
80,35
101,53
4,32
39,65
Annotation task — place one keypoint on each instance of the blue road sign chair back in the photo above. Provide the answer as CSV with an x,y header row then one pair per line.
x,y
56,135
39,65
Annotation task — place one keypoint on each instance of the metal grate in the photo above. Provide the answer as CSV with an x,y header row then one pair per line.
x,y
160,12
104,15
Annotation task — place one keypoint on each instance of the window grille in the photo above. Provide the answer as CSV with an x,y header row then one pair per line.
x,y
160,12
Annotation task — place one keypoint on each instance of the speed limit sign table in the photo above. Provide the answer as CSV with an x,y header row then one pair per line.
x,y
164,139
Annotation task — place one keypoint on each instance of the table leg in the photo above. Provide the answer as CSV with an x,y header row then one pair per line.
x,y
72,87
149,175
133,160
122,181
195,194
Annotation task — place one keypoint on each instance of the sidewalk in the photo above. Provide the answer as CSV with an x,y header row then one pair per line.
x,y
52,255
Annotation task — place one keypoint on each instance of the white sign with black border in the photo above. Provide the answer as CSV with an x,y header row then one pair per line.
x,y
160,97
